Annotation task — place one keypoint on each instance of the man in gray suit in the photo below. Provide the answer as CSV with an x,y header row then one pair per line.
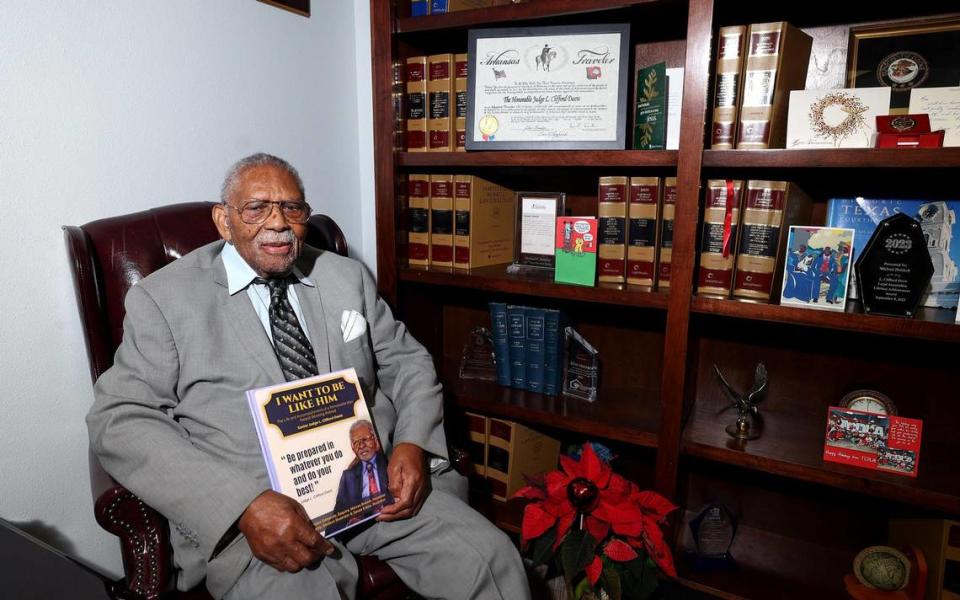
x,y
171,423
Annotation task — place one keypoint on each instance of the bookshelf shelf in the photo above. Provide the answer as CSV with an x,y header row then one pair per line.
x,y
933,324
875,158
557,158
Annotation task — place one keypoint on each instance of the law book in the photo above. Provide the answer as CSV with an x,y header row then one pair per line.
x,y
418,240
419,8
460,66
643,216
484,218
304,431
515,452
769,209
440,103
517,339
665,242
776,63
403,219
534,349
501,343
552,351
441,220
399,98
444,6
478,425
612,214
416,140
731,43
718,242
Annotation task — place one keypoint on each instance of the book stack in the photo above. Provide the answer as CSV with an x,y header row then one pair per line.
x,y
439,7
507,453
434,105
528,347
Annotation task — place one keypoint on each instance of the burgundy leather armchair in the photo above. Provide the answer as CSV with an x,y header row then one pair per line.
x,y
108,256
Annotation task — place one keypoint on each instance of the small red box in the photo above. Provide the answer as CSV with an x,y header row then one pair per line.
x,y
907,131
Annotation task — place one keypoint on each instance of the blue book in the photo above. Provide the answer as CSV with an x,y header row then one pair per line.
x,y
501,347
419,8
517,338
938,218
438,6
535,349
552,352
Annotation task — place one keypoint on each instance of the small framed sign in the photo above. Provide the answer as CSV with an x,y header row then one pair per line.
x,y
537,214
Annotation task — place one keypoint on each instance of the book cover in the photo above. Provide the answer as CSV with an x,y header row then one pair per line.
x,y
938,218
517,339
726,97
576,250
440,103
460,62
816,267
418,238
552,351
484,232
478,425
718,243
501,344
768,208
515,452
441,220
419,8
399,97
416,140
643,212
873,441
403,219
306,429
650,127
665,242
534,349
612,217
776,62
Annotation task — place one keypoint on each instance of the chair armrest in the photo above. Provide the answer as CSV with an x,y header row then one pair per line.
x,y
144,542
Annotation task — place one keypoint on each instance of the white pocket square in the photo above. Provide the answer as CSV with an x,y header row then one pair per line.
x,y
352,324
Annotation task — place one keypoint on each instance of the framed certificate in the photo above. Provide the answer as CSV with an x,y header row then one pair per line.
x,y
548,88
537,214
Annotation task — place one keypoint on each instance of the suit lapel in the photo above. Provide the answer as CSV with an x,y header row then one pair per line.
x,y
311,304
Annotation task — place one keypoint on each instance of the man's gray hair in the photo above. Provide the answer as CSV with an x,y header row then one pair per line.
x,y
259,159
362,423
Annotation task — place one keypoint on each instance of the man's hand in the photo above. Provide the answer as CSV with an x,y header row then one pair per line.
x,y
407,478
280,534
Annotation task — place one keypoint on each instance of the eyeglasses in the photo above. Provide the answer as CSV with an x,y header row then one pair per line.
x,y
254,212
365,441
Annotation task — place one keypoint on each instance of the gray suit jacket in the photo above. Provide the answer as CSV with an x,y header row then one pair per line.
x,y
171,423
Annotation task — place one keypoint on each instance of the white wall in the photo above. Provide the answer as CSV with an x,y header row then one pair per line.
x,y
108,107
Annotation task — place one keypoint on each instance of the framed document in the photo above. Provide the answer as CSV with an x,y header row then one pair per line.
x,y
537,214
548,88
905,55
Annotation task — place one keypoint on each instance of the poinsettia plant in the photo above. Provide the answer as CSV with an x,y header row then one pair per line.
x,y
602,530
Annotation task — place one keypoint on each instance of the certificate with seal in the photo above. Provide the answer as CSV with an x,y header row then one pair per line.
x,y
548,88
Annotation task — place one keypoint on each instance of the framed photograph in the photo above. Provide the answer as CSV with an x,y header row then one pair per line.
x,y
301,7
548,88
537,214
904,55
817,267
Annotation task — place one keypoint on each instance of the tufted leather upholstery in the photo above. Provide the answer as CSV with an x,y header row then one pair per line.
x,y
107,257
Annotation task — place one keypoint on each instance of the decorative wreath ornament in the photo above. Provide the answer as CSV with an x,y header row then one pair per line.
x,y
852,123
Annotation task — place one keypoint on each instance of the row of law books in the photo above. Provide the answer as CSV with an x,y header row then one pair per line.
x,y
756,68
457,221
505,453
430,103
528,347
422,8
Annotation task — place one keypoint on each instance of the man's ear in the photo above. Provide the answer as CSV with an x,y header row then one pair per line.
x,y
222,221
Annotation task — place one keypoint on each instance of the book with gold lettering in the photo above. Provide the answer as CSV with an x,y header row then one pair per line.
x,y
612,213
460,63
441,220
416,139
322,449
718,244
728,86
643,211
665,237
418,220
483,228
440,103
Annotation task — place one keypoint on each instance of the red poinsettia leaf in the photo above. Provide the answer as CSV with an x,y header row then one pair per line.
x,y
593,468
558,507
624,518
594,569
563,526
618,489
619,551
597,528
652,502
536,522
534,493
570,467
557,482
657,549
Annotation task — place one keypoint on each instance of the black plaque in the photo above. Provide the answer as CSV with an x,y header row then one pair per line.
x,y
713,532
894,269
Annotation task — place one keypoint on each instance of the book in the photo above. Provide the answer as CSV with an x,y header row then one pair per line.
x,y
501,345
484,222
938,219
718,242
419,8
440,103
441,220
728,81
776,63
515,452
445,6
534,349
665,241
768,208
612,217
416,140
517,340
552,351
816,267
643,213
873,441
650,126
418,238
478,425
403,219
304,428
460,66
399,97
576,251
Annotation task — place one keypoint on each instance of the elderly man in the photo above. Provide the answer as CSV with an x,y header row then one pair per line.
x,y
363,481
171,424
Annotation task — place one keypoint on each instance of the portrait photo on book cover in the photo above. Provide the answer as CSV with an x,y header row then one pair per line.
x,y
817,267
362,491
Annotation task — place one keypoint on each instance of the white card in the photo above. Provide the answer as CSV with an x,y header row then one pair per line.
x,y
674,102
835,118
943,106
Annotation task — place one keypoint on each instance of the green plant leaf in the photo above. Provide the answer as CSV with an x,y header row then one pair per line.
x,y
577,551
611,581
638,579
542,549
582,588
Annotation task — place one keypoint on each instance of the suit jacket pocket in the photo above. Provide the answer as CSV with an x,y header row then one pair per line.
x,y
360,357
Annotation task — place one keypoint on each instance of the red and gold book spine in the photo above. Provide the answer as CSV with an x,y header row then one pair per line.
x,y
403,219
417,104
643,212
460,63
612,217
418,244
441,220
718,244
665,245
726,97
462,205
440,103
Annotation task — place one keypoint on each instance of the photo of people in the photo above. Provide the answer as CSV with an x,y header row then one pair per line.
x,y
363,484
901,461
866,432
817,267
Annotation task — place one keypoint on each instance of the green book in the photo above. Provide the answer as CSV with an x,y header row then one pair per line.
x,y
650,128
576,251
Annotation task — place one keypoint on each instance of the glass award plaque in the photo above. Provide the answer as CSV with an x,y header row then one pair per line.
x,y
581,368
476,361
713,532
894,269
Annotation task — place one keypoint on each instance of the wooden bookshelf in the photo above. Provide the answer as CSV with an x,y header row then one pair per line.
x,y
556,158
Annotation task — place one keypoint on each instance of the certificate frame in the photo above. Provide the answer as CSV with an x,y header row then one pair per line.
x,y
925,47
537,261
578,61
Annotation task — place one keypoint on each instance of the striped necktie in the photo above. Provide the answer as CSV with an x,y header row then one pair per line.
x,y
293,349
